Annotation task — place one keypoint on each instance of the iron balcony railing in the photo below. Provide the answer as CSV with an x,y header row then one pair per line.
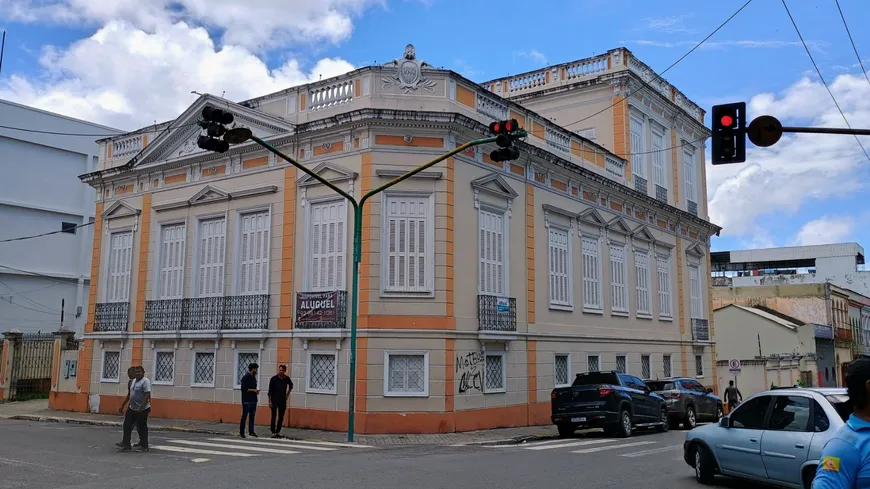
x,y
240,312
700,329
496,313
111,316
321,310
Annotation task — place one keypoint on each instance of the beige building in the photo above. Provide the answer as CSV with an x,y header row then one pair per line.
x,y
482,285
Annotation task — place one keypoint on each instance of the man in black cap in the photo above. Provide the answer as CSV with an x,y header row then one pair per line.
x,y
845,460
250,393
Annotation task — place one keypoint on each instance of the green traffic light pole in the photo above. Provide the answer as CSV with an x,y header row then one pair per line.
x,y
239,135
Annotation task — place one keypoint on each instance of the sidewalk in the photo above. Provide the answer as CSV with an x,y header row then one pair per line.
x,y
38,411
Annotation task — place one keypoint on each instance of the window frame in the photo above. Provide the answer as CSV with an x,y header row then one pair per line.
x,y
197,258
639,118
103,378
67,227
385,290
657,130
646,313
156,292
690,174
597,358
308,266
236,272
599,307
614,262
700,373
669,316
237,383
154,366
616,363
388,354
670,365
568,370
314,390
107,274
503,355
648,358
696,302
555,304
193,382
504,213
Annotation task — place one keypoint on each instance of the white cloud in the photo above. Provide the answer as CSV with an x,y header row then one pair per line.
x,y
125,77
533,54
825,230
252,23
740,43
799,169
671,25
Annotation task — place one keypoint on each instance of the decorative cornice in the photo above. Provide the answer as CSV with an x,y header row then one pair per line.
x,y
120,209
423,175
209,194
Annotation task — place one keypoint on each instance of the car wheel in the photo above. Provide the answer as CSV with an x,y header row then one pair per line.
x,y
665,422
565,430
703,465
624,430
809,475
719,412
691,420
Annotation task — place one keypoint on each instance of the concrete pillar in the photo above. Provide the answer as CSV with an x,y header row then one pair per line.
x,y
10,339
60,340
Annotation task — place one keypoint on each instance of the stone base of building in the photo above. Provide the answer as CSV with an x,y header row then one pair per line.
x,y
535,414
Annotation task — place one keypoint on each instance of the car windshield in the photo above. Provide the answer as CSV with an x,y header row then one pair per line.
x,y
842,404
658,386
596,378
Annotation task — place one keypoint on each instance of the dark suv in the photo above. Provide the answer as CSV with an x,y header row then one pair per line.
x,y
688,401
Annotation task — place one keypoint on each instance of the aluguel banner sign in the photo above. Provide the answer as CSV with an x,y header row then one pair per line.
x,y
316,307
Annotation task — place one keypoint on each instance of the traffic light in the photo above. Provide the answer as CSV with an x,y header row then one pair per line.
x,y
506,132
729,133
214,122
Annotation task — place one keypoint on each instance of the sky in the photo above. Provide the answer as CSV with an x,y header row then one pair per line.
x,y
129,63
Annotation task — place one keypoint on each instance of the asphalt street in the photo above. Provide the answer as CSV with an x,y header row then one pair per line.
x,y
44,455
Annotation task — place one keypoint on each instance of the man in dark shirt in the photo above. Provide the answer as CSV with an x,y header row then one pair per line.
x,y
250,392
732,396
279,391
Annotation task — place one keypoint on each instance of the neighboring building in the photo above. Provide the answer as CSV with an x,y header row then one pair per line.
x,y
825,306
482,285
40,192
835,263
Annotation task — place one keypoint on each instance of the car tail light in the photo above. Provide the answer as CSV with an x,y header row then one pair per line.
x,y
604,390
553,395
671,395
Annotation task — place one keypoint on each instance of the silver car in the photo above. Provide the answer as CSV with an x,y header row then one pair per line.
x,y
775,437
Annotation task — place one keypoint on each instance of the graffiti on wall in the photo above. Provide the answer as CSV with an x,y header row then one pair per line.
x,y
469,372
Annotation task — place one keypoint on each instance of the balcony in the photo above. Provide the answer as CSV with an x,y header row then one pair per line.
x,y
111,316
843,334
700,330
321,310
233,313
497,314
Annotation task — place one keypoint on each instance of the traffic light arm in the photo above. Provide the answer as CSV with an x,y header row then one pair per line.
x,y
827,130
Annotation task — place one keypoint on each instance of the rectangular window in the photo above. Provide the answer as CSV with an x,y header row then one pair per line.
x,y
562,370
593,364
212,256
120,263
243,359
407,374
203,369
408,245
660,176
614,167
699,365
493,262
666,365
618,290
328,238
494,370
591,274
689,174
164,367
588,134
638,156
621,364
645,370
170,281
560,268
695,292
641,263
322,372
663,270
111,371
253,273
68,227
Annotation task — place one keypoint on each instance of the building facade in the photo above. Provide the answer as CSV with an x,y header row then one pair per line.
x,y
38,276
483,285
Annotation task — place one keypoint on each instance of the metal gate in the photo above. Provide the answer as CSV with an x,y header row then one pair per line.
x,y
31,367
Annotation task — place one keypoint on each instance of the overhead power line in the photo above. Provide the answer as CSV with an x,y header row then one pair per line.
x,y
828,88
22,238
854,48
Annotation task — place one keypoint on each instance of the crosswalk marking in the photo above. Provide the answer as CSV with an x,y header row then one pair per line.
x,y
273,444
229,445
539,443
199,460
613,447
570,444
322,443
172,448
651,451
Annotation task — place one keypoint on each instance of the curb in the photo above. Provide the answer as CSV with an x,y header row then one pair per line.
x,y
513,441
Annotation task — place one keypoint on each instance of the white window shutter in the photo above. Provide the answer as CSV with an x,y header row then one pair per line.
x,y
559,267
328,246
408,265
695,292
641,262
617,278
172,251
120,264
638,156
591,275
664,281
491,256
689,174
254,253
212,245
658,157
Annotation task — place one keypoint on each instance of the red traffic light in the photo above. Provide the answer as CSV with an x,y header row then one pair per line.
x,y
504,127
726,121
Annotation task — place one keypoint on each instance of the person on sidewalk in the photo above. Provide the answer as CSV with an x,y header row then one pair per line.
x,y
250,393
138,410
732,396
279,392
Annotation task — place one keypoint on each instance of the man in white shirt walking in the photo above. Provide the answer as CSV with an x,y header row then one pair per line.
x,y
138,410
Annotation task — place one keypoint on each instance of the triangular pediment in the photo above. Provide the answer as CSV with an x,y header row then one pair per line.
x,y
208,194
120,209
642,233
178,140
494,184
330,172
592,217
695,250
618,225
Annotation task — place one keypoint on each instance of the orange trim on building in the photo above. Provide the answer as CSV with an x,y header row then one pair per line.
x,y
55,363
335,147
685,349
532,366
86,353
357,88
365,279
538,130
406,322
288,241
530,253
616,206
124,189
142,278
487,159
255,162
421,142
302,101
465,96
517,170
621,128
173,179
559,185
576,148
212,171
4,359
680,285
362,377
449,383
449,309
675,169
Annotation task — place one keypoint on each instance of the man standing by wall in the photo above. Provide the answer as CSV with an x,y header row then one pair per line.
x,y
279,391
250,392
